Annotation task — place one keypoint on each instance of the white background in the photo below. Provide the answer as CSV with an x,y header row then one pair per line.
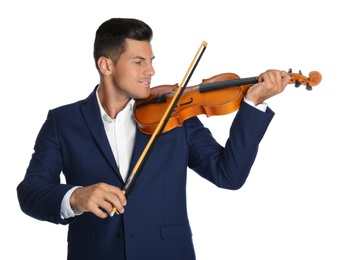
x,y
288,208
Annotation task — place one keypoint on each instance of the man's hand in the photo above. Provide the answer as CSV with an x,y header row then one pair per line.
x,y
270,83
97,199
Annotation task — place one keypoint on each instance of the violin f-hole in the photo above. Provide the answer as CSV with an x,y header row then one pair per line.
x,y
186,103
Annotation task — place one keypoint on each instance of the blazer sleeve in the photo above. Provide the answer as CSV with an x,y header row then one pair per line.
x,y
40,192
229,166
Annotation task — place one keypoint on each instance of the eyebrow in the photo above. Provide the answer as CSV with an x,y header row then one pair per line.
x,y
142,58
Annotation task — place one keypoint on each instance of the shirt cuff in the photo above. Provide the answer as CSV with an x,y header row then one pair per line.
x,y
262,107
66,210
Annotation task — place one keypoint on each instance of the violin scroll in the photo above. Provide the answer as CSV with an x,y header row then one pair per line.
x,y
298,79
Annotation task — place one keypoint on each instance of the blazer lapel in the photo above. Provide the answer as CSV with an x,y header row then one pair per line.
x,y
91,113
140,144
141,141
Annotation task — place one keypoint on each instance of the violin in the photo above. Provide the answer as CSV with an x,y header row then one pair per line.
x,y
219,95
168,106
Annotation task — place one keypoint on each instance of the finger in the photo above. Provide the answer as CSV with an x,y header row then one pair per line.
x,y
286,78
99,213
273,79
108,206
102,207
116,210
96,209
117,200
120,194
267,76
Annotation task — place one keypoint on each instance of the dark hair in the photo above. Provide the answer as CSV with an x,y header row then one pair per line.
x,y
110,37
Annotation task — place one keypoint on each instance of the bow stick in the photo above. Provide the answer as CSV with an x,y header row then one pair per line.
x,y
129,184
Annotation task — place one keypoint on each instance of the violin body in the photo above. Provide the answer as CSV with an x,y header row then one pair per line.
x,y
191,103
219,95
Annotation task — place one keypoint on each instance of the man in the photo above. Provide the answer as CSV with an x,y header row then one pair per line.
x,y
95,143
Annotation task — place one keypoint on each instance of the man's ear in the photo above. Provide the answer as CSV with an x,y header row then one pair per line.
x,y
105,66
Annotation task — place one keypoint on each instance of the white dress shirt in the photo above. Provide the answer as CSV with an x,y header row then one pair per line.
x,y
121,133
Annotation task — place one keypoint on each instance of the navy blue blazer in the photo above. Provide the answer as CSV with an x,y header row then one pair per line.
x,y
155,224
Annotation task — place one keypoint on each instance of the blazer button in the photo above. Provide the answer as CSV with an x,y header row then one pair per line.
x,y
121,235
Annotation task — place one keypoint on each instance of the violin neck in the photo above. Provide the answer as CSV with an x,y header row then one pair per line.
x,y
207,87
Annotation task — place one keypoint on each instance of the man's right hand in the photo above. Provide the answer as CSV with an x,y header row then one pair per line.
x,y
99,199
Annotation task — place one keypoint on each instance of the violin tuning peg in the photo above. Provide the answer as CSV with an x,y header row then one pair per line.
x,y
297,83
308,87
